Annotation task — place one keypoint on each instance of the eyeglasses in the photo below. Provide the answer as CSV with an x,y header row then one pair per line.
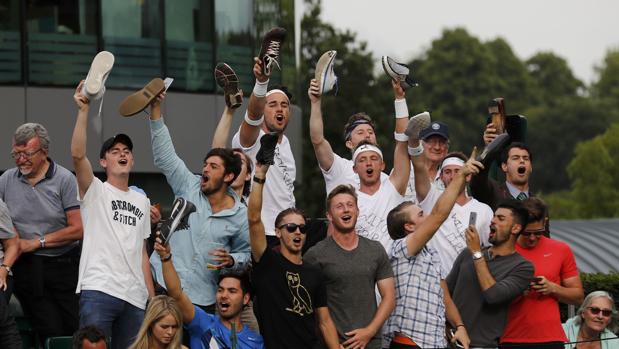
x,y
596,310
537,233
292,227
26,154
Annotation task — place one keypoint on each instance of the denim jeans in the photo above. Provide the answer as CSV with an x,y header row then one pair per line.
x,y
119,320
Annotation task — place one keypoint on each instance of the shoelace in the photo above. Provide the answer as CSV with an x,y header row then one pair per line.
x,y
97,122
273,53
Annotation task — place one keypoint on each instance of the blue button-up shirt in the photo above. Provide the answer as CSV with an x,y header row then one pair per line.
x,y
226,229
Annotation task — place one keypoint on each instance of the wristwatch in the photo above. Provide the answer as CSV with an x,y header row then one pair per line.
x,y
8,268
477,255
42,241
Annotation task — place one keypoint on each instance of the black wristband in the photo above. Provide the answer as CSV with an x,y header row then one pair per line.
x,y
166,258
259,180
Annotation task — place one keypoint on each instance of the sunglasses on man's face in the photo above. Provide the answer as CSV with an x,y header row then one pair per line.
x,y
537,233
596,310
292,227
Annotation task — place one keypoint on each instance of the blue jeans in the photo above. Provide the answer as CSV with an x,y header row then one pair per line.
x,y
118,319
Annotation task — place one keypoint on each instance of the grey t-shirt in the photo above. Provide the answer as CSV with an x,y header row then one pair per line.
x,y
484,313
351,277
6,227
40,209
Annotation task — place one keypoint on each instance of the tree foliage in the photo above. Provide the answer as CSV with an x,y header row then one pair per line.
x,y
458,75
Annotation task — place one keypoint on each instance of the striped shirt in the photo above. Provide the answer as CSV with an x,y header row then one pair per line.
x,y
420,309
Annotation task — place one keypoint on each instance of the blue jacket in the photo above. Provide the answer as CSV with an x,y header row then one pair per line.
x,y
226,229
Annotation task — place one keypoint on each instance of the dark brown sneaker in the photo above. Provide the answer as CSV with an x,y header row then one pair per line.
x,y
269,52
138,101
227,79
266,153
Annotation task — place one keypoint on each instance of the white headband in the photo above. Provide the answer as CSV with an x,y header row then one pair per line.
x,y
364,148
452,161
276,90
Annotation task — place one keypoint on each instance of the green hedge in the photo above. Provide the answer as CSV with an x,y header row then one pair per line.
x,y
597,282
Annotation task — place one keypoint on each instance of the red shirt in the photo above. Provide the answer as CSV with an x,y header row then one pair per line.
x,y
535,318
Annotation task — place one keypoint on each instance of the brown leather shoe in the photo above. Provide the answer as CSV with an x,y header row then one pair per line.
x,y
138,101
227,79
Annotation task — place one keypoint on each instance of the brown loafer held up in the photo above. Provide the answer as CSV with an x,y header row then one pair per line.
x,y
138,101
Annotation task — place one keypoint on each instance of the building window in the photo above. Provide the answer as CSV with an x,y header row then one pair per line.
x,y
10,42
189,44
61,40
131,30
235,35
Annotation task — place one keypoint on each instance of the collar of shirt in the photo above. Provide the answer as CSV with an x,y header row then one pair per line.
x,y
515,191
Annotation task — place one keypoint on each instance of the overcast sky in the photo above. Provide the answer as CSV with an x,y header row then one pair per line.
x,y
579,31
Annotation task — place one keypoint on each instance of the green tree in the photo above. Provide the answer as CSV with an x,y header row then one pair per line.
x,y
553,78
607,86
359,91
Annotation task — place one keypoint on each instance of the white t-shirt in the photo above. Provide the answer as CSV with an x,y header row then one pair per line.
x,y
115,226
278,193
373,210
449,240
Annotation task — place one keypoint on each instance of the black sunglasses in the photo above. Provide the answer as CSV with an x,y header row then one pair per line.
x,y
292,227
596,310
538,232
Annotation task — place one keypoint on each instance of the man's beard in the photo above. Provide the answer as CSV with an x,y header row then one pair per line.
x,y
218,185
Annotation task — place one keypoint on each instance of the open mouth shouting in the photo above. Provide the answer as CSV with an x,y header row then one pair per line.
x,y
297,240
346,218
123,162
223,306
522,170
492,232
279,118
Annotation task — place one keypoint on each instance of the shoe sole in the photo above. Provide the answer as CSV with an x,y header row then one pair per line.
x,y
423,121
99,69
493,148
139,100
182,208
322,68
232,93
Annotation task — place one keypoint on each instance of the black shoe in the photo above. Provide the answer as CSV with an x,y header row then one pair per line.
x,y
493,149
179,219
269,52
268,142
228,80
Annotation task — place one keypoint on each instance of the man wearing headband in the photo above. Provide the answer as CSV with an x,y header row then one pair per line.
x,y
335,169
449,241
376,196
269,112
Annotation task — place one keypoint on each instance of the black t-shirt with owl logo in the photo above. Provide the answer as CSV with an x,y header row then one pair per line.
x,y
287,296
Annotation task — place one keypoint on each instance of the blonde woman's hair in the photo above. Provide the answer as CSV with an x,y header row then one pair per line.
x,y
158,308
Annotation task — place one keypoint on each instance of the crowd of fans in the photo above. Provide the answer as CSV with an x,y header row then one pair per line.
x,y
433,254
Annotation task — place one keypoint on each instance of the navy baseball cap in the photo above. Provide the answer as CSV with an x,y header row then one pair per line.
x,y
435,128
110,142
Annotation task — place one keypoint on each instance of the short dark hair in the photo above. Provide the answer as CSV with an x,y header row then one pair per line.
x,y
356,120
396,218
520,213
92,333
537,208
341,189
232,163
250,169
242,276
519,145
286,212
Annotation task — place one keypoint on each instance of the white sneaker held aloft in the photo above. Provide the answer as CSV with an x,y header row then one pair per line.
x,y
324,72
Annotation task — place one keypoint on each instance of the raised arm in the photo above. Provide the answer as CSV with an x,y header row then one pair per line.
x,y
322,148
222,132
401,165
83,168
442,208
418,159
255,108
257,237
173,282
